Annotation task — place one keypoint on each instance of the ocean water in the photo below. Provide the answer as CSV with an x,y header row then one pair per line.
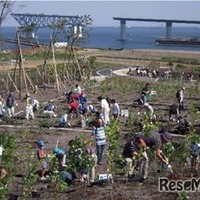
x,y
109,37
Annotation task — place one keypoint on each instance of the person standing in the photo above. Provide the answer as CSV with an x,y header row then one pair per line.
x,y
11,103
116,109
105,110
41,157
144,93
29,107
2,109
100,137
174,111
180,98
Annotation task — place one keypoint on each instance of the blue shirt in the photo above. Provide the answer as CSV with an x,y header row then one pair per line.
x,y
49,108
99,135
116,110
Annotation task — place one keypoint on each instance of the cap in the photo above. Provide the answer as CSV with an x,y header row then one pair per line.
x,y
41,143
183,88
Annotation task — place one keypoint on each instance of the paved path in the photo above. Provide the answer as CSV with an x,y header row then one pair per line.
x,y
107,73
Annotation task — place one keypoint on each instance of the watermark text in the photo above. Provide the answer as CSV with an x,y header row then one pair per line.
x,y
190,185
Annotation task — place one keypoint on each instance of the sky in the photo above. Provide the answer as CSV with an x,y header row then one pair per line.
x,y
102,12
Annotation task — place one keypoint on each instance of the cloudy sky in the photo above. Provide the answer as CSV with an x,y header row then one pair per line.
x,y
102,12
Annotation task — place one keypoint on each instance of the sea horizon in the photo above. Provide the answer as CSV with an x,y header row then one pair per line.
x,y
108,37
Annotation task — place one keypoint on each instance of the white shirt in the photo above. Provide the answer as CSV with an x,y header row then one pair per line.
x,y
78,90
104,104
181,95
35,102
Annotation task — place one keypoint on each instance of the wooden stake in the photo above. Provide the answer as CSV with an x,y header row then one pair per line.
x,y
55,67
3,79
13,83
21,62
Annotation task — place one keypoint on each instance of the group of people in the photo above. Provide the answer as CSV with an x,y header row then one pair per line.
x,y
77,104
97,134
174,110
82,156
7,106
106,104
136,149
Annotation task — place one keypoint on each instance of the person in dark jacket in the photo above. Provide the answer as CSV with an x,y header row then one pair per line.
x,y
174,112
11,103
138,145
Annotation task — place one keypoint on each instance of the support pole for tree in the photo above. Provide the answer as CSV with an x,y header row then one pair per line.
x,y
32,85
55,67
21,67
3,79
79,68
21,63
13,84
13,78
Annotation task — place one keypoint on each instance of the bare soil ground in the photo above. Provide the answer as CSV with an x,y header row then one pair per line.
x,y
121,188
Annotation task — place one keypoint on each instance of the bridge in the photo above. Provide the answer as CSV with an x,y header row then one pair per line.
x,y
166,21
41,20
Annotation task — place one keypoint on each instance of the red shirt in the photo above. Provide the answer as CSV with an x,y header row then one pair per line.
x,y
76,96
40,153
74,105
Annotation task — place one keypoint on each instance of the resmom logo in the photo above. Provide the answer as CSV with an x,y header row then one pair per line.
x,y
166,185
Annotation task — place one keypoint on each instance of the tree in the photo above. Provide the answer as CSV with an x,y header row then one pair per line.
x,y
74,66
5,8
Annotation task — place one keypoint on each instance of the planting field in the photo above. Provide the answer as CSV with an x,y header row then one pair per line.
x,y
24,184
